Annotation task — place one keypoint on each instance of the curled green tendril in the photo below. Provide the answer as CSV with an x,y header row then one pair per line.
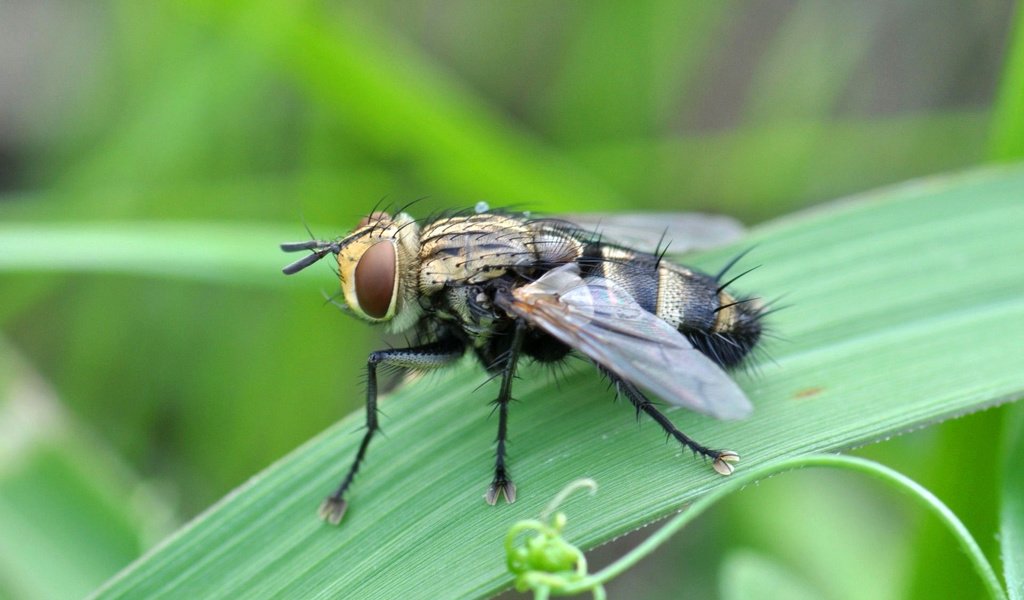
x,y
548,564
545,562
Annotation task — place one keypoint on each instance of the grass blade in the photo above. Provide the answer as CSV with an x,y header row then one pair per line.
x,y
908,308
1007,127
1011,532
64,526
747,574
379,81
213,252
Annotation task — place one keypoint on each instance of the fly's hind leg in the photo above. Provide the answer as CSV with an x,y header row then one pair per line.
x,y
502,484
428,356
722,460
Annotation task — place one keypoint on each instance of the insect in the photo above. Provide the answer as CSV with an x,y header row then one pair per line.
x,y
503,285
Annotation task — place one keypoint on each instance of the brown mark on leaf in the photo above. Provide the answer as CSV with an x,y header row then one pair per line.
x,y
808,392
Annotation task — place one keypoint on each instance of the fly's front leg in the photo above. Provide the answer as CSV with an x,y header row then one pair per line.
x,y
722,460
502,485
422,357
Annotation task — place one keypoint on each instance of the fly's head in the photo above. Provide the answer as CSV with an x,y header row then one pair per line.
x,y
378,265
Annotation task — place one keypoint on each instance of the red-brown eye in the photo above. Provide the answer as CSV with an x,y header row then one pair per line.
x,y
375,279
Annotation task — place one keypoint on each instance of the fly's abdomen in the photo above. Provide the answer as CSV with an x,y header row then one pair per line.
x,y
735,332
723,327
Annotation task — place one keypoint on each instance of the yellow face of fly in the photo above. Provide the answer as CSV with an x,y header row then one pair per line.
x,y
377,265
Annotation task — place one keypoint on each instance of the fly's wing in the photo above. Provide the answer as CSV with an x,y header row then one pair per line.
x,y
683,232
600,319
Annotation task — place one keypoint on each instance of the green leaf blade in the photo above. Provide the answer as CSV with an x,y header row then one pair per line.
x,y
239,254
65,525
1011,531
908,308
1007,128
747,574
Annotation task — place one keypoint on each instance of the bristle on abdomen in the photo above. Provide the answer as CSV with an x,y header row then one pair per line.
x,y
735,332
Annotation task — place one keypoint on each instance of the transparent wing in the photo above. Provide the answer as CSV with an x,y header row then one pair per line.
x,y
600,319
683,232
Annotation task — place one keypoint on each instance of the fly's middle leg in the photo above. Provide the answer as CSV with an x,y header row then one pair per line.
x,y
421,357
502,484
722,460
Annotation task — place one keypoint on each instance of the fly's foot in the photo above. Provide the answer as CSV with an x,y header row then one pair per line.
x,y
333,509
724,460
501,486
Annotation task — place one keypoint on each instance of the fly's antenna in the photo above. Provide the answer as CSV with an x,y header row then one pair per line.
x,y
320,249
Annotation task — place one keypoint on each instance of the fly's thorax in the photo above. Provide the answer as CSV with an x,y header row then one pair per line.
x,y
465,250
378,264
471,308
558,245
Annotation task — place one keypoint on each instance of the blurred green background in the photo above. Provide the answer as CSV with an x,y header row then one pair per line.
x,y
136,396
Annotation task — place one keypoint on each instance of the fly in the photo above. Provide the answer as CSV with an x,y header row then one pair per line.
x,y
505,285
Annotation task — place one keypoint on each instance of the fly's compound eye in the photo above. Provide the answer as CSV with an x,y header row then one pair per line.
x,y
375,280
